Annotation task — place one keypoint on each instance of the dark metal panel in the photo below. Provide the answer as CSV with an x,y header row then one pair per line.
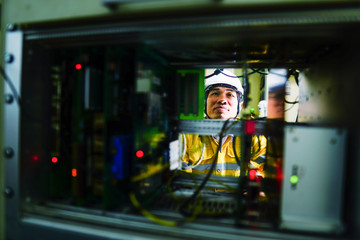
x,y
12,126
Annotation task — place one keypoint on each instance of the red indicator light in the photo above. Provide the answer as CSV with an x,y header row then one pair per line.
x,y
139,154
250,127
279,173
252,174
78,66
74,172
54,159
35,158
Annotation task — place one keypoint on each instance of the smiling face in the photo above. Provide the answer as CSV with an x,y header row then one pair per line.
x,y
222,103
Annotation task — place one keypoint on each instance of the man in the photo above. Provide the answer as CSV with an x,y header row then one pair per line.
x,y
223,93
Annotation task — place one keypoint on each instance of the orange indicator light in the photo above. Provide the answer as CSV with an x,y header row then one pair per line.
x,y
74,172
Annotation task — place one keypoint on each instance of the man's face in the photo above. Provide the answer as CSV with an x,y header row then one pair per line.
x,y
222,103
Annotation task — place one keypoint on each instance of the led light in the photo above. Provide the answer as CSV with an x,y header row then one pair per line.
x,y
54,159
35,158
252,174
74,172
139,154
294,179
78,66
250,127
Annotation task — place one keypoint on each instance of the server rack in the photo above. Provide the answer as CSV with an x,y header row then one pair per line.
x,y
322,42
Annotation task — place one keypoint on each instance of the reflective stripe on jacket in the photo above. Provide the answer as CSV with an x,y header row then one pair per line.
x,y
200,150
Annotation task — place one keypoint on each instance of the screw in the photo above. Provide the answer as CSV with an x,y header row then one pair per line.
x,y
8,192
9,152
9,98
8,58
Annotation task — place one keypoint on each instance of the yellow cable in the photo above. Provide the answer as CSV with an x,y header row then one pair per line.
x,y
152,170
219,182
169,186
156,219
148,214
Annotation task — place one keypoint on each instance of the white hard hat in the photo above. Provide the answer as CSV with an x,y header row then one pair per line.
x,y
224,78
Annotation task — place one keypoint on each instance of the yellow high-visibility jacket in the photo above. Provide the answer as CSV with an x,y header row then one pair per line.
x,y
200,150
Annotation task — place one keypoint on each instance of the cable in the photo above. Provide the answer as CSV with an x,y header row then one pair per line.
x,y
259,147
295,73
272,145
241,76
168,184
291,72
238,160
293,104
170,190
152,170
258,71
155,218
202,185
273,156
202,150
148,214
289,108
18,99
197,210
11,85
218,71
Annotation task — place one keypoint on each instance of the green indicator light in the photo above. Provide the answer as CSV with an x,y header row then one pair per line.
x,y
294,179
